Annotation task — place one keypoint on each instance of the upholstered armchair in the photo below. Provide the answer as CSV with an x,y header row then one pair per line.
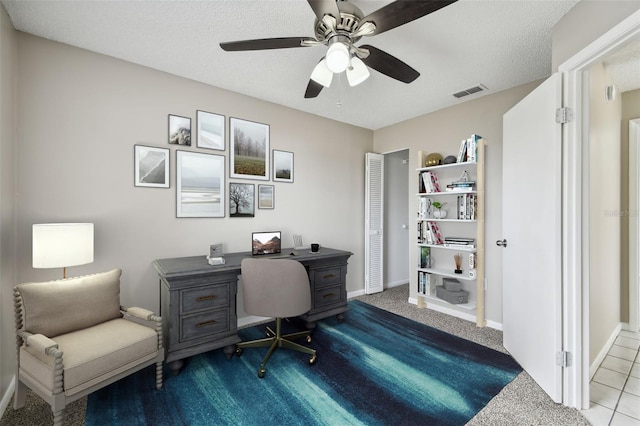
x,y
73,338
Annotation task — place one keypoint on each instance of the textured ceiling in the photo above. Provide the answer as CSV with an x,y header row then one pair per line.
x,y
499,44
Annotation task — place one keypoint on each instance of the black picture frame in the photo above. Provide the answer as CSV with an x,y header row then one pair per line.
x,y
179,130
242,199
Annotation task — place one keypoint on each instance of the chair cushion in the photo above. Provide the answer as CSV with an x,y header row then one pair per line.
x,y
93,354
57,307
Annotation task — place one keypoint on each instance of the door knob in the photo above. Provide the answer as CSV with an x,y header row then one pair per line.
x,y
501,243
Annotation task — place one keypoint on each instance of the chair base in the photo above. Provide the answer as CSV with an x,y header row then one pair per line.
x,y
276,341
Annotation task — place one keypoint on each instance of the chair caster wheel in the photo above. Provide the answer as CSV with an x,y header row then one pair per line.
x,y
308,339
238,351
313,359
261,373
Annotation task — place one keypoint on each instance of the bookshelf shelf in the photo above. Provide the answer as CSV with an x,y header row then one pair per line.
x,y
463,225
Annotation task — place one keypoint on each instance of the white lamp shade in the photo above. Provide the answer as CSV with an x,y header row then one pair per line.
x,y
338,57
322,74
58,245
357,72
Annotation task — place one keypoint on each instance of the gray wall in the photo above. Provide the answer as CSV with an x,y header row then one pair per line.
x,y
7,202
604,218
441,132
584,23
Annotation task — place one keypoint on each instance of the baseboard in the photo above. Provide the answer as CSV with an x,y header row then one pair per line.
x,y
357,293
455,313
604,351
6,398
396,284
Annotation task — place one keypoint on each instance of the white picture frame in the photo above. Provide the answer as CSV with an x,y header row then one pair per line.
x,y
200,184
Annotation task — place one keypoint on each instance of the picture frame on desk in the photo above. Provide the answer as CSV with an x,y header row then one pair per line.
x,y
200,184
249,149
151,166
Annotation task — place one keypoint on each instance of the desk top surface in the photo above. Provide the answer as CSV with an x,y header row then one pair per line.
x,y
179,266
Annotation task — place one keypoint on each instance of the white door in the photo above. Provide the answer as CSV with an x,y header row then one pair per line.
x,y
374,210
531,229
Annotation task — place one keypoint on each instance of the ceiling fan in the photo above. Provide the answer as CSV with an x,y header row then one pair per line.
x,y
339,25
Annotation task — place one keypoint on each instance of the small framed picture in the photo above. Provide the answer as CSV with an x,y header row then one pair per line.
x,y
210,130
151,166
179,130
266,196
282,166
249,149
200,184
241,200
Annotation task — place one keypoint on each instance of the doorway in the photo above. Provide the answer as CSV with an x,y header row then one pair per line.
x,y
396,218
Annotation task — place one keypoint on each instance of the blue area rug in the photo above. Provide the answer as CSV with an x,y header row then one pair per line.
x,y
375,368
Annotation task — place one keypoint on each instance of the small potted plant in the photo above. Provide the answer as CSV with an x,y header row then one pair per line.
x,y
439,213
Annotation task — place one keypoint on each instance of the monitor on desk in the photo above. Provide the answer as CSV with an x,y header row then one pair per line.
x,y
265,243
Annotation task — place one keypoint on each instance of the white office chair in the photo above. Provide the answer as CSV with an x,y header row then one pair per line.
x,y
276,288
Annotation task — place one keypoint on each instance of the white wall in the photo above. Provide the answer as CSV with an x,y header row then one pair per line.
x,y
79,116
396,214
8,145
441,132
604,211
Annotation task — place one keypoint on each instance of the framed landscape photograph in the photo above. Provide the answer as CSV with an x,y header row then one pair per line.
x,y
200,184
241,200
179,130
266,196
282,166
210,130
151,166
249,151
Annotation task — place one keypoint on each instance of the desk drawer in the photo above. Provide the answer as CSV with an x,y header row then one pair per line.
x,y
328,296
204,297
327,276
204,324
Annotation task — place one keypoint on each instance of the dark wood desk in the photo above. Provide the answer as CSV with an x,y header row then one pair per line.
x,y
198,300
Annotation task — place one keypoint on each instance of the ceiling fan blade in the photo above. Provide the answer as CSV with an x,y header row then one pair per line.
x,y
389,65
401,12
267,43
324,7
313,89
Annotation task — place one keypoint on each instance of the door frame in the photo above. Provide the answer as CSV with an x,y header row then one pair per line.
x,y
575,206
634,223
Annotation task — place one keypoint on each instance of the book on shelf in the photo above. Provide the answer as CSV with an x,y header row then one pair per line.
x,y
429,182
462,152
472,148
435,233
426,283
425,208
467,206
425,257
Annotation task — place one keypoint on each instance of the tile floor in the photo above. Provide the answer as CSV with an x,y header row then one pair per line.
x,y
615,388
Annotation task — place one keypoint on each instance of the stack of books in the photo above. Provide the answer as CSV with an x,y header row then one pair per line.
x,y
462,185
461,242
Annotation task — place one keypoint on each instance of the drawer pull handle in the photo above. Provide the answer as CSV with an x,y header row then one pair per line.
x,y
203,298
328,276
328,295
205,323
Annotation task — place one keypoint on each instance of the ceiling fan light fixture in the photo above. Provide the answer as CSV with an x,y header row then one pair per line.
x,y
337,57
322,74
357,72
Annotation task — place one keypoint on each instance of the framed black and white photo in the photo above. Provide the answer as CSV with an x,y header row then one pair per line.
x,y
210,130
249,151
151,166
266,196
282,166
241,200
200,184
179,130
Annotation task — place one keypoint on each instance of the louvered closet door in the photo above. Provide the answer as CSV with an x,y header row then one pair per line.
x,y
374,211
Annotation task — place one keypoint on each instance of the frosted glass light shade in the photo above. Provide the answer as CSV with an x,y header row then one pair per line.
x,y
357,72
58,245
337,57
322,74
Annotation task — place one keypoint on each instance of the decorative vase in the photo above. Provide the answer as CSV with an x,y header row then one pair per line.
x,y
440,214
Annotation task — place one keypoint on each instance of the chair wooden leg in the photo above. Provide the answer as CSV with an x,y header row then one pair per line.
x,y
20,395
159,375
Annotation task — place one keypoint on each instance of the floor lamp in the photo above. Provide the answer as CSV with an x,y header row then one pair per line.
x,y
59,245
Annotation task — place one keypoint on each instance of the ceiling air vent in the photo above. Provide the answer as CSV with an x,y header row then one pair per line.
x,y
470,91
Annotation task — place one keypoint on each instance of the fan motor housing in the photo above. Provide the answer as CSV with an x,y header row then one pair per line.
x,y
350,17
